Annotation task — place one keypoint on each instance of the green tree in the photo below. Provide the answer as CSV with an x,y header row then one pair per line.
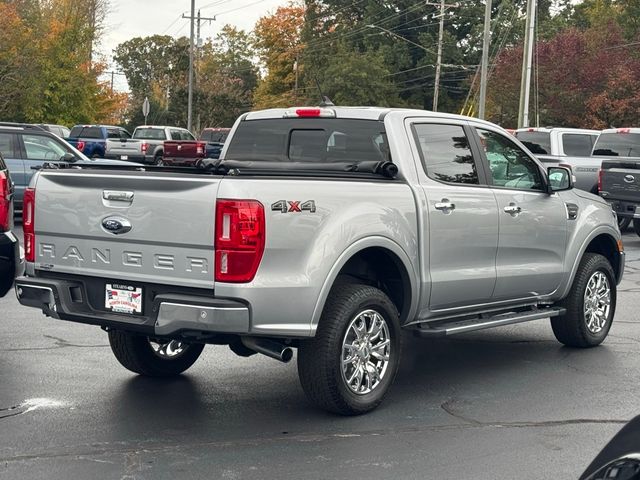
x,y
278,43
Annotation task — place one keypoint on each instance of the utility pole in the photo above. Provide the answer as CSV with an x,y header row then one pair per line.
x,y
436,87
192,19
295,90
190,99
525,83
486,42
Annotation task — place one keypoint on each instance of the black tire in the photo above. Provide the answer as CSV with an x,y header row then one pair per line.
x,y
134,352
636,226
157,159
623,224
571,329
320,358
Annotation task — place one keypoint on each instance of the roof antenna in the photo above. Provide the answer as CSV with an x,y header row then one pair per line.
x,y
325,101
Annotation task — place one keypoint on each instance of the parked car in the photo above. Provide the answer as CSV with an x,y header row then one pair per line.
x,y
59,130
92,139
187,153
565,146
146,145
619,181
26,147
10,259
328,230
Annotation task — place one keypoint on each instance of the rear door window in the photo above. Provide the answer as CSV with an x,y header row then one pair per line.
x,y
175,134
445,153
578,145
618,145
42,147
8,145
538,143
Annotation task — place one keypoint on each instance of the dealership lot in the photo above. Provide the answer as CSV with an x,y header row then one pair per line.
x,y
504,403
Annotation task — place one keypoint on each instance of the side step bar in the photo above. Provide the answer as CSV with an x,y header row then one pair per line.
x,y
448,327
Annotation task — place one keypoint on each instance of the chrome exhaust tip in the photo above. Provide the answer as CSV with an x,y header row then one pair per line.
x,y
270,348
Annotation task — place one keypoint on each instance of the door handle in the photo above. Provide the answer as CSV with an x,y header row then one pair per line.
x,y
445,205
512,209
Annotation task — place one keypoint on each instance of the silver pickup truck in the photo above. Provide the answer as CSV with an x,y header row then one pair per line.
x,y
329,230
570,147
146,144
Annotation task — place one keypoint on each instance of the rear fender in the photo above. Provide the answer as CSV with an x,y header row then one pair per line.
x,y
350,252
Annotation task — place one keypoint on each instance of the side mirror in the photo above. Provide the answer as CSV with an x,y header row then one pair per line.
x,y
560,179
68,157
620,458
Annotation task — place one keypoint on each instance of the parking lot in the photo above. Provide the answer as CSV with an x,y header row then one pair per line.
x,y
504,403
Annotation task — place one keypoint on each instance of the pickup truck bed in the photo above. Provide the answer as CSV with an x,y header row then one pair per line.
x,y
328,230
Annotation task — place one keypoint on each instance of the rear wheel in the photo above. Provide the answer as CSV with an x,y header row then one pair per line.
x,y
153,357
157,159
348,367
623,223
590,305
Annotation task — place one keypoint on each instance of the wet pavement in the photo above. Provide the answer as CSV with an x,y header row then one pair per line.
x,y
504,403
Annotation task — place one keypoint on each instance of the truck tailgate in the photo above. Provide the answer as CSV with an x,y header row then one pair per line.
x,y
171,219
124,148
182,152
621,180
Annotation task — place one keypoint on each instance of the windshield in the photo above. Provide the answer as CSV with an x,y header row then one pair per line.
x,y
538,143
149,134
309,140
618,145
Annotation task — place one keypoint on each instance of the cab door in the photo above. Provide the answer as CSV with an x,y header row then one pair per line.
x,y
532,222
460,231
12,157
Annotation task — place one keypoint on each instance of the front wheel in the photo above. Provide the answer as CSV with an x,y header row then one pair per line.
x,y
348,367
153,357
590,305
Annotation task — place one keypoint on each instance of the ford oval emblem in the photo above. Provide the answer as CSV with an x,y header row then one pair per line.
x,y
116,225
629,178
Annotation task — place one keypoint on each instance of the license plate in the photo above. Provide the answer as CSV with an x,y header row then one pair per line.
x,y
124,157
123,298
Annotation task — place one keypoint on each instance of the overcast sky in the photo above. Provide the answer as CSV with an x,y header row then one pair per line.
x,y
141,18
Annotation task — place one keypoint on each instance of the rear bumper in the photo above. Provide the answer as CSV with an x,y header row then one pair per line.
x,y
130,158
624,208
181,161
171,315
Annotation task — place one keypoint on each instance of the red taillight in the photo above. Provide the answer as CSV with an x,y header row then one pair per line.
x,y
80,145
600,180
239,243
624,130
5,202
308,112
200,148
144,147
28,224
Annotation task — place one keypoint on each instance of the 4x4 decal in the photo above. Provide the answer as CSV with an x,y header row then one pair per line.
x,y
288,206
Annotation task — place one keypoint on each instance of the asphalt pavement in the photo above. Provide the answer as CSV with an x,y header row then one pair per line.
x,y
509,403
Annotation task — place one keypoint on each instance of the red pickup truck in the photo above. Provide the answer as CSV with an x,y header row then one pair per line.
x,y
185,153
